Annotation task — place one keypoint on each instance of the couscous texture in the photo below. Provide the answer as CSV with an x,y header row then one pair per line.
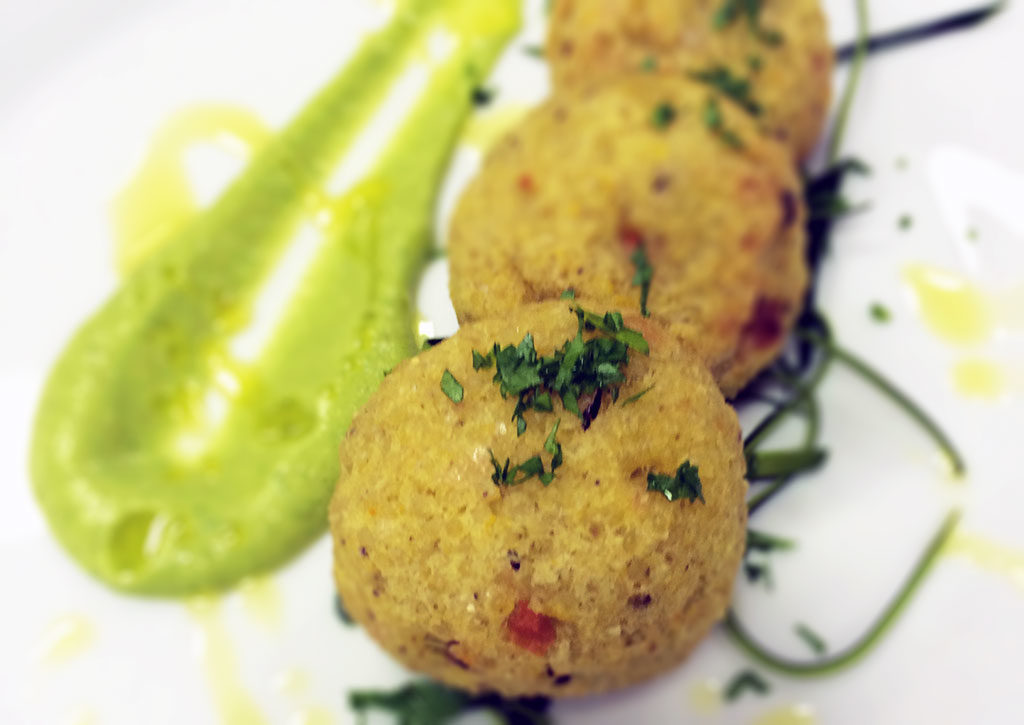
x,y
534,576
647,173
774,54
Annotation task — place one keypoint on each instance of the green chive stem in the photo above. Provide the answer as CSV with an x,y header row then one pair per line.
x,y
870,638
859,54
897,396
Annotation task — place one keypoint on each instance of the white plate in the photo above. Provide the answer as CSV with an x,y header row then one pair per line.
x,y
83,85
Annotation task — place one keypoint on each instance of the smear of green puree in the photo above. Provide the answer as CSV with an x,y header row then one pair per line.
x,y
107,459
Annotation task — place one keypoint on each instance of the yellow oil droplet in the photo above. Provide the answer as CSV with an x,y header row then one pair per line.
x,y
84,716
293,683
262,601
1010,307
954,309
977,378
312,716
706,696
787,715
988,555
488,126
159,199
220,663
65,638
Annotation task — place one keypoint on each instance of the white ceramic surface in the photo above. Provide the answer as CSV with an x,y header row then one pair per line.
x,y
83,85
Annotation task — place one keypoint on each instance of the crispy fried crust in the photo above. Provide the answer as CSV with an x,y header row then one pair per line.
x,y
587,585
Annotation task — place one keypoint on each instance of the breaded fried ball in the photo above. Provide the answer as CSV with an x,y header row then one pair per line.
x,y
782,51
587,584
592,176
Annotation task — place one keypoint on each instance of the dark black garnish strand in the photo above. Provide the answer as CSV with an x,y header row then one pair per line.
x,y
963,20
789,387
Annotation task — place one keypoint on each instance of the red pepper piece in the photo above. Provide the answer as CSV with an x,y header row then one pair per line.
x,y
764,328
530,630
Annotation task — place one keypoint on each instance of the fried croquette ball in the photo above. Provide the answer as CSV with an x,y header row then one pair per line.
x,y
598,182
782,51
581,583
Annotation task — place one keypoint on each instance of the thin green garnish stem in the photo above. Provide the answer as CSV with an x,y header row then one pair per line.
x,y
859,54
897,396
803,394
869,639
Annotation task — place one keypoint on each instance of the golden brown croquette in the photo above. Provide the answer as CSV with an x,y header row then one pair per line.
x,y
584,585
782,51
570,197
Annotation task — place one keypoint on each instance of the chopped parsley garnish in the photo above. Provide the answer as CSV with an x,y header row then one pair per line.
x,y
972,234
755,63
879,312
508,475
643,276
535,51
738,89
663,116
731,10
906,221
633,398
579,370
424,702
745,681
451,387
716,124
567,294
482,96
649,64
684,484
812,638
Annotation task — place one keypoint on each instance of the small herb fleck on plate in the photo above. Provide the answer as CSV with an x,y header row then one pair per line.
x,y
879,312
812,638
745,681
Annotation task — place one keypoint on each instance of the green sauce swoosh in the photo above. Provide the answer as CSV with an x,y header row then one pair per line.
x,y
107,458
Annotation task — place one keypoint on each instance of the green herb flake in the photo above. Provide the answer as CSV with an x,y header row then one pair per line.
x,y
716,124
901,163
733,87
451,387
567,294
580,369
633,398
534,51
745,681
755,63
642,277
649,64
684,484
731,10
879,312
481,362
424,702
663,115
811,638
905,222
482,96
972,234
